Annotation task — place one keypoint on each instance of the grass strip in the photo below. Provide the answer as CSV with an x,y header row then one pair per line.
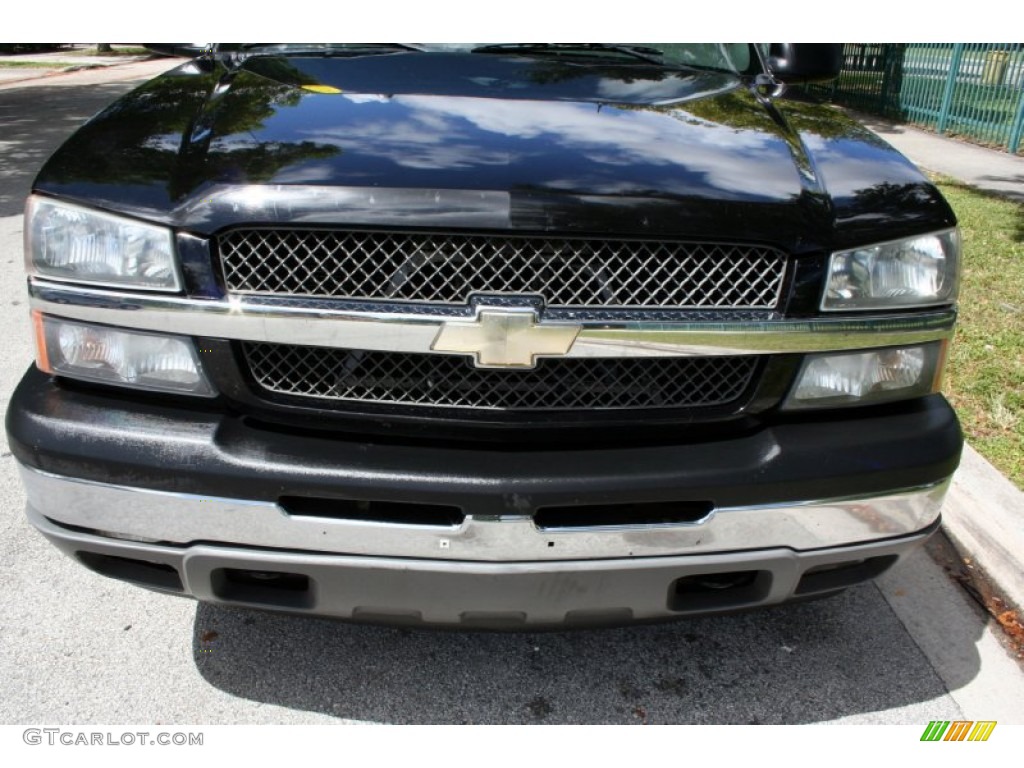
x,y
985,372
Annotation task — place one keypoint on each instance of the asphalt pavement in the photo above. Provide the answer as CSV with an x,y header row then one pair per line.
x,y
76,648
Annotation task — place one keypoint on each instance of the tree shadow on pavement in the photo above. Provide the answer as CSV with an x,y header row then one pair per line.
x,y
793,664
26,141
1017,179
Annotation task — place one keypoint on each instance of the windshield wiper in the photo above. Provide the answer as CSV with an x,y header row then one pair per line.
x,y
342,49
638,52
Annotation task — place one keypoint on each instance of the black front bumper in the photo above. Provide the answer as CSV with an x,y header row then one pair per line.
x,y
111,439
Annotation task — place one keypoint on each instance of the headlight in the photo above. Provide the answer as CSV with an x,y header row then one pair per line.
x,y
74,244
112,356
916,272
863,378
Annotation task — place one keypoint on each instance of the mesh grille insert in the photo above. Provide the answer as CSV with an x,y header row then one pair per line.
x,y
453,381
449,268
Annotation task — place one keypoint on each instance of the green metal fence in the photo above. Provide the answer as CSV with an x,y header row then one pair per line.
x,y
974,90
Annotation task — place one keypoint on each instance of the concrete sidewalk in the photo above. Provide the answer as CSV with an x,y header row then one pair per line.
x,y
984,512
60,65
987,169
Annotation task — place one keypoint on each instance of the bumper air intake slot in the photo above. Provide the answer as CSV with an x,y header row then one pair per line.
x,y
622,515
141,572
824,578
396,512
274,588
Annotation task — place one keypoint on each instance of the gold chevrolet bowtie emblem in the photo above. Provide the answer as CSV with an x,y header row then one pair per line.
x,y
505,338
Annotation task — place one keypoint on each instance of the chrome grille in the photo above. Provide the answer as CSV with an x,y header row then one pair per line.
x,y
449,268
453,381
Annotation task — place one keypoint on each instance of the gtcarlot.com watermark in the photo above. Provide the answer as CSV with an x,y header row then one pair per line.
x,y
70,738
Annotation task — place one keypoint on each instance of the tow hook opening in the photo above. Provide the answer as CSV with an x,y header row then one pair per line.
x,y
713,591
273,588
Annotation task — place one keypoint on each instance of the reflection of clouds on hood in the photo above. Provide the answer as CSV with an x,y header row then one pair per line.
x,y
304,175
430,132
728,158
366,98
609,186
163,142
414,143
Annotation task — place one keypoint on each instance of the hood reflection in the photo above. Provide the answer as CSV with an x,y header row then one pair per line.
x,y
581,148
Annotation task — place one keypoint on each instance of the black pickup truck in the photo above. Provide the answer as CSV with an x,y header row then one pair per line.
x,y
530,335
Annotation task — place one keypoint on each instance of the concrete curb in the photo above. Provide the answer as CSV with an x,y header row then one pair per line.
x,y
984,518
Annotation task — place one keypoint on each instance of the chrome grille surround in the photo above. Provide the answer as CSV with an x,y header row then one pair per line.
x,y
451,381
450,268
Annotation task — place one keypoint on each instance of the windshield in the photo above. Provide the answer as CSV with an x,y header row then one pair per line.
x,y
727,57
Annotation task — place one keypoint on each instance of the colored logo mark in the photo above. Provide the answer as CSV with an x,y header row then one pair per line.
x,y
958,730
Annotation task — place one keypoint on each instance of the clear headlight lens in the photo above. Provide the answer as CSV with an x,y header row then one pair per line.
x,y
75,244
863,378
917,272
126,358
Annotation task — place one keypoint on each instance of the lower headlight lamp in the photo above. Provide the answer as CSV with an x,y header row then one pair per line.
x,y
151,361
863,378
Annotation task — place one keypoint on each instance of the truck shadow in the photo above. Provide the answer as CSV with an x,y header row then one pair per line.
x,y
793,664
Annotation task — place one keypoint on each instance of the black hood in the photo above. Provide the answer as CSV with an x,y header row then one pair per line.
x,y
534,144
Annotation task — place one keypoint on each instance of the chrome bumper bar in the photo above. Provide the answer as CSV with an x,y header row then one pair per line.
x,y
474,595
176,519
288,322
